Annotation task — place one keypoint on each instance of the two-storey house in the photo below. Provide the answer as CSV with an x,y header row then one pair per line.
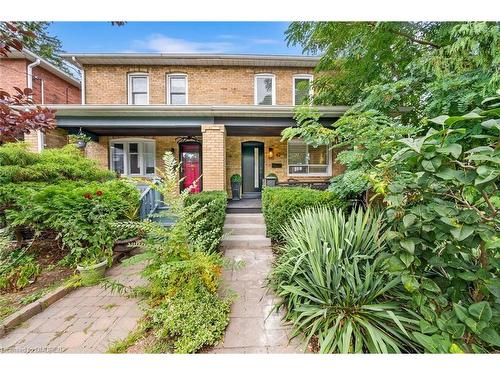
x,y
220,114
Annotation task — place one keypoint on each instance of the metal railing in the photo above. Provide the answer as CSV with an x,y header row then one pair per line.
x,y
150,200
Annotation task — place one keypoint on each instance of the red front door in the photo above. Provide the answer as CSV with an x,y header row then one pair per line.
x,y
191,165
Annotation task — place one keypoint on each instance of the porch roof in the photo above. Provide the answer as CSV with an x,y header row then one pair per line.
x,y
182,120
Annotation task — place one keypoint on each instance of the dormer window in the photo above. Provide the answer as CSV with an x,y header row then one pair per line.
x,y
177,89
138,88
302,89
265,89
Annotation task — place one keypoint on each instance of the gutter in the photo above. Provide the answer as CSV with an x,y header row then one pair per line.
x,y
39,135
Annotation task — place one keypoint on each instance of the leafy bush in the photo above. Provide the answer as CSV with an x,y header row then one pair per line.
x,y
82,213
17,269
279,204
18,164
209,228
334,285
193,320
444,211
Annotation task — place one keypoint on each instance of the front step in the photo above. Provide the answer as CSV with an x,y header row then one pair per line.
x,y
245,229
246,242
244,219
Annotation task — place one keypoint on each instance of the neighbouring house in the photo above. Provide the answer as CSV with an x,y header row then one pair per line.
x,y
50,85
220,114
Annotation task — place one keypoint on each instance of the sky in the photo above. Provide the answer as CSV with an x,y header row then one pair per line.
x,y
175,37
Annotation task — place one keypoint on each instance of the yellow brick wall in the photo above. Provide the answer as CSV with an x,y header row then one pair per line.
x,y
55,138
213,85
214,157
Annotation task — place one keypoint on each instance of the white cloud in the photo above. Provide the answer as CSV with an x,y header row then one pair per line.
x,y
166,44
265,41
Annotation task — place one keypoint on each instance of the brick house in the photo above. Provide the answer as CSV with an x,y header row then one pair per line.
x,y
49,83
220,114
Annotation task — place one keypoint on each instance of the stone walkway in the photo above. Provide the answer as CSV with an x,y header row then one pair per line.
x,y
253,327
87,320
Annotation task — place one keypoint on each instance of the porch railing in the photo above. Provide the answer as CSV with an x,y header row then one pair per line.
x,y
150,200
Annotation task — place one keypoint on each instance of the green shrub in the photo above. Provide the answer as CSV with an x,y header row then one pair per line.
x,y
18,164
332,279
81,212
209,229
279,204
191,320
17,269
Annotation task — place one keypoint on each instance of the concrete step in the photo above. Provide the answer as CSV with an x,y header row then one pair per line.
x,y
246,242
244,219
245,229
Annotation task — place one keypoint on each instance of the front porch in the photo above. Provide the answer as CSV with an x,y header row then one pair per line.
x,y
132,140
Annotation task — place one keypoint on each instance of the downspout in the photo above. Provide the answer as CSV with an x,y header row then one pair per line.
x,y
82,85
40,135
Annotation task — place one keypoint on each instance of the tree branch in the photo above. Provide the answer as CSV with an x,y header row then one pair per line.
x,y
410,37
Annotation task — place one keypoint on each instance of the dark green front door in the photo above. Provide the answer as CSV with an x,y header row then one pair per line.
x,y
252,168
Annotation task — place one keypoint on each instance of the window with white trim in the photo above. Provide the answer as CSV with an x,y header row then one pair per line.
x,y
177,89
265,89
133,157
306,160
138,88
302,89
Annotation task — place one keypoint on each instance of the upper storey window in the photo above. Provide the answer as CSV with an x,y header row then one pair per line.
x,y
177,89
265,89
138,88
302,89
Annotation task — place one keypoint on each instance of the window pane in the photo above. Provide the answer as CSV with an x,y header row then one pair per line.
x,y
318,169
139,84
134,164
264,90
133,147
139,99
149,158
178,85
177,99
118,158
297,153
297,170
301,90
318,155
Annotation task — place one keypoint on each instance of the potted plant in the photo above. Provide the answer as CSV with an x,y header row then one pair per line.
x,y
93,264
271,179
80,140
235,186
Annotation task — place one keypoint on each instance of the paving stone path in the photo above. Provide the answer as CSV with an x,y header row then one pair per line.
x,y
253,327
87,320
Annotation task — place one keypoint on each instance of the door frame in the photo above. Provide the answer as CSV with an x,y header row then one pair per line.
x,y
260,145
187,142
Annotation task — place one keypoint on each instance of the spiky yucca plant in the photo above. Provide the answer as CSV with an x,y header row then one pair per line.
x,y
331,278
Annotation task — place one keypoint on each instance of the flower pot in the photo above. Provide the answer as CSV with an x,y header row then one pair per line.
x,y
122,246
271,181
235,190
96,270
81,144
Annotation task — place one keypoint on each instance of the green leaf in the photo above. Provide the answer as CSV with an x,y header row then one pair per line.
x,y
468,276
407,259
455,349
456,330
414,143
426,327
440,119
430,285
493,285
491,124
408,220
446,174
410,283
453,149
462,232
461,312
408,244
481,311
490,336
427,342
428,166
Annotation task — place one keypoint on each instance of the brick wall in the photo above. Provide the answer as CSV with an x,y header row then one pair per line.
x,y
12,74
55,138
216,85
56,90
214,157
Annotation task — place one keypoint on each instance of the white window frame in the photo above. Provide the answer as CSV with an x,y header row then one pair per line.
x,y
310,77
264,75
126,155
184,75
129,88
328,158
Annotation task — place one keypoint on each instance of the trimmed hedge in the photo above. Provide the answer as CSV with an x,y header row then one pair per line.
x,y
213,220
279,204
